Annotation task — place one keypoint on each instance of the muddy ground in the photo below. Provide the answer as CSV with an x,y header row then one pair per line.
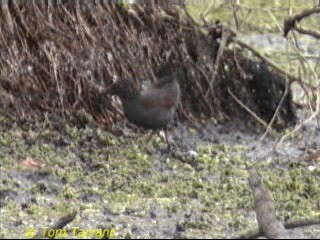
x,y
53,167
200,189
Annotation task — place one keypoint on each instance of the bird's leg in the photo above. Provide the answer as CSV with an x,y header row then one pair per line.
x,y
149,136
166,136
170,145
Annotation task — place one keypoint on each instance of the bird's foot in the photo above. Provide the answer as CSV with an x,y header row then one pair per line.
x,y
171,147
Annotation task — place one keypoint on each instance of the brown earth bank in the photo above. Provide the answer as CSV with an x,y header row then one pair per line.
x,y
56,58
65,147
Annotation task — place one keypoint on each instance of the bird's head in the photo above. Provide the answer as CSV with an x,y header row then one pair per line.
x,y
123,89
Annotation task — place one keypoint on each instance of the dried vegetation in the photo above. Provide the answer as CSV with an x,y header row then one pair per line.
x,y
56,57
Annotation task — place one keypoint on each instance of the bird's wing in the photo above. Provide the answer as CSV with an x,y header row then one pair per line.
x,y
156,98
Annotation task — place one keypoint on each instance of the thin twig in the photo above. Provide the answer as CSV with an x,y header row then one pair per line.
x,y
267,60
255,116
314,114
285,94
309,32
297,128
224,39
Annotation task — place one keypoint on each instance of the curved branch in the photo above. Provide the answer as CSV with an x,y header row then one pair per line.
x,y
290,22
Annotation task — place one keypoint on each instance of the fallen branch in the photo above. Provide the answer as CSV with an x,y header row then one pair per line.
x,y
270,226
290,22
309,32
288,225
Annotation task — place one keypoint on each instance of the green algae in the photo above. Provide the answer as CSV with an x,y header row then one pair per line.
x,y
122,176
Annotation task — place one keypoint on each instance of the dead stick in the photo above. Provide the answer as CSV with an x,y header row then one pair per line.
x,y
309,32
288,225
268,61
302,223
224,39
285,94
271,227
254,115
304,122
290,22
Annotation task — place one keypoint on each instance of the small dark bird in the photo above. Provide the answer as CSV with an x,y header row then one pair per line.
x,y
153,108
